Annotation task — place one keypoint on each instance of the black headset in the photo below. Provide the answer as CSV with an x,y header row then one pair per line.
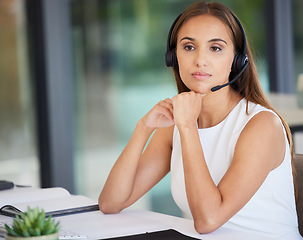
x,y
239,64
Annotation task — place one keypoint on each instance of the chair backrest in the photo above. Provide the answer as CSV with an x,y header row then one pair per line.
x,y
298,164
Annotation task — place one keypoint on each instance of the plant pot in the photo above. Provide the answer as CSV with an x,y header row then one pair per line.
x,y
53,236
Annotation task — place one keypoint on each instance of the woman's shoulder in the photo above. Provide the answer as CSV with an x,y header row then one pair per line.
x,y
261,117
264,133
266,120
265,125
259,114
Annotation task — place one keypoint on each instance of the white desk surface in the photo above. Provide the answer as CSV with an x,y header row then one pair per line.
x,y
96,225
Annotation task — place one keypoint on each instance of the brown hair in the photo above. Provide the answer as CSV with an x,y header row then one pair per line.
x,y
248,84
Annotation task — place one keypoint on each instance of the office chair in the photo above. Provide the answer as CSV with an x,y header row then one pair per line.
x,y
298,164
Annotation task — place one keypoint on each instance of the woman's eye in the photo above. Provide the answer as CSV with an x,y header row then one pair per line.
x,y
216,49
189,48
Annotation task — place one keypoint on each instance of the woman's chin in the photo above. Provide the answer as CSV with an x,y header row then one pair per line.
x,y
202,91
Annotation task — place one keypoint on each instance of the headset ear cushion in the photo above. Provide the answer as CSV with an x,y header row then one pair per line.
x,y
235,66
239,62
175,60
243,59
169,58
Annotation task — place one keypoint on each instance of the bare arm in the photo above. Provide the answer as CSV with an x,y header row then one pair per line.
x,y
259,149
134,173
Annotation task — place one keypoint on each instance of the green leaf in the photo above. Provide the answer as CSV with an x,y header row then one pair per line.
x,y
48,231
38,231
17,222
32,232
57,226
25,233
13,233
17,230
35,212
27,221
10,231
30,215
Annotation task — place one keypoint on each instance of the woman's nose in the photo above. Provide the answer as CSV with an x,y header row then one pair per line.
x,y
201,58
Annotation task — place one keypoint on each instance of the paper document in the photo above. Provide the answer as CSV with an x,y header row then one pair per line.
x,y
54,201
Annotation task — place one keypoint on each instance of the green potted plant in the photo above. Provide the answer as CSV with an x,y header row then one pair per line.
x,y
33,226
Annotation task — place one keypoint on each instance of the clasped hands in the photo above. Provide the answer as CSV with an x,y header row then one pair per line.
x,y
182,110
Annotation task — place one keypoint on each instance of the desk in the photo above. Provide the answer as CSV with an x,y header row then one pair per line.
x,y
96,225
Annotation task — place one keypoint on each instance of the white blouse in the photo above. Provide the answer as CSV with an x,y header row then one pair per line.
x,y
272,210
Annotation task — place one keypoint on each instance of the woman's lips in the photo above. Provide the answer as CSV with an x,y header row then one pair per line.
x,y
201,75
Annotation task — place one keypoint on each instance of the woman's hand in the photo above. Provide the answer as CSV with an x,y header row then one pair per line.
x,y
186,108
160,116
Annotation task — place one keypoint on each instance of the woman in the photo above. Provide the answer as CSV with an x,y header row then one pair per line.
x,y
229,153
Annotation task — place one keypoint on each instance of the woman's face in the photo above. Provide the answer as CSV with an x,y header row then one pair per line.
x,y
205,53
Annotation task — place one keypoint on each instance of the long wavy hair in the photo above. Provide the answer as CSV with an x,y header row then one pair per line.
x,y
247,85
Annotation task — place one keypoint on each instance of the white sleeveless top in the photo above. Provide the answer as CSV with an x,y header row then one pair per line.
x,y
272,210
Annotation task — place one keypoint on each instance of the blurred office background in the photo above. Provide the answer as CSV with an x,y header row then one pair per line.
x,y
76,76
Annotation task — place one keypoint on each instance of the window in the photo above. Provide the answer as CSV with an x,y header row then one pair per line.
x,y
18,156
298,37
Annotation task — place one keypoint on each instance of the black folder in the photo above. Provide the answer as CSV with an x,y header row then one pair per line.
x,y
169,234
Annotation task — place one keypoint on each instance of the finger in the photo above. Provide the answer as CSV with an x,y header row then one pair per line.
x,y
166,112
167,103
168,100
198,95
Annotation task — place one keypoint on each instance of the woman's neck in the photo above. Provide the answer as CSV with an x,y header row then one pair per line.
x,y
216,106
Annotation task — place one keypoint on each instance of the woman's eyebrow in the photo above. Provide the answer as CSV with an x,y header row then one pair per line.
x,y
187,38
211,40
217,40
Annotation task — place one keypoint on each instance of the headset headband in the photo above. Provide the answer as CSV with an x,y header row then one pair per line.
x,y
244,51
